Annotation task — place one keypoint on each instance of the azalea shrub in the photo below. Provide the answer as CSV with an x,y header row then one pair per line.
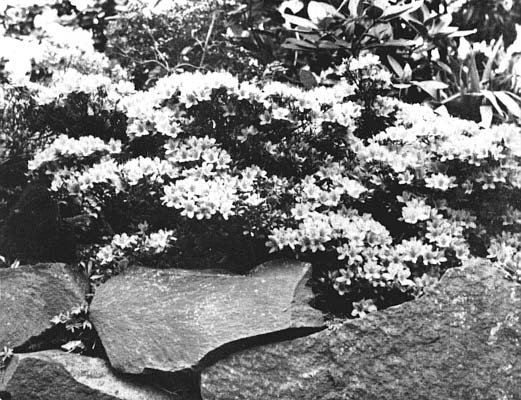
x,y
195,169
216,171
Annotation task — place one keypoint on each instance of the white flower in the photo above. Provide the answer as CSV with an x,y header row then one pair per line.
x,y
82,5
363,307
415,210
124,241
367,60
254,200
105,255
353,188
441,182
159,241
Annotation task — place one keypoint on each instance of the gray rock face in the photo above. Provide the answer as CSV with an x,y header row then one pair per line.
x,y
461,341
31,295
58,375
169,320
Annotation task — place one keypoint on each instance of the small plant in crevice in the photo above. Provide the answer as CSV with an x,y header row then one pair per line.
x,y
76,332
71,332
5,356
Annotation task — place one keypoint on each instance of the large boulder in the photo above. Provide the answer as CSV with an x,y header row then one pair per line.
x,y
461,341
57,375
31,295
170,320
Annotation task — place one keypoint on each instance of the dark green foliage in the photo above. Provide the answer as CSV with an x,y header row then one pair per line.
x,y
189,37
17,144
33,231
80,114
26,126
491,19
309,39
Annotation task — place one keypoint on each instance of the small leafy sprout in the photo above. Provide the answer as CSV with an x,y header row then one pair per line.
x,y
77,326
73,346
363,307
5,355
4,262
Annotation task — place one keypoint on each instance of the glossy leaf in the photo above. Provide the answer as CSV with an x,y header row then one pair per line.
x,y
299,21
442,111
395,43
487,114
381,31
511,105
402,85
474,81
407,73
444,66
294,5
491,97
462,33
381,4
319,11
398,10
487,73
308,79
431,87
355,8
328,45
395,65
299,44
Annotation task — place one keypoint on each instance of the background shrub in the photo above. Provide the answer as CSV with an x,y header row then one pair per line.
x,y
189,36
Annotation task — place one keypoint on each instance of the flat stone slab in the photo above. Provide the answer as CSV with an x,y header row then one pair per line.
x,y
31,295
169,320
57,375
460,341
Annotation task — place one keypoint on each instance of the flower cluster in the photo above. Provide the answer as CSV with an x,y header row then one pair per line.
x,y
69,148
154,242
72,81
124,248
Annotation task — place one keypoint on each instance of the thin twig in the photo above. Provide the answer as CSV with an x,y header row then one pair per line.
x,y
190,65
210,30
342,5
157,51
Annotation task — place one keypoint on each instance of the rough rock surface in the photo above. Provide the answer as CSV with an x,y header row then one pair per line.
x,y
31,295
461,341
58,375
169,320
